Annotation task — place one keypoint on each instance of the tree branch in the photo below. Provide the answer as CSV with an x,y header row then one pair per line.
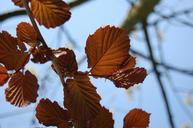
x,y
157,73
22,12
138,13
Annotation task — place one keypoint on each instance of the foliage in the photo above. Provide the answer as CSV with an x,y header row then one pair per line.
x,y
108,56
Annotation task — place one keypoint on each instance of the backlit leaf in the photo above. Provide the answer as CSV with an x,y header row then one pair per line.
x,y
136,118
103,120
10,55
18,2
3,75
22,89
106,50
26,33
64,62
51,114
129,77
81,98
50,13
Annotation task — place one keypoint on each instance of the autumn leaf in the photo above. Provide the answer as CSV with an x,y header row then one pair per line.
x,y
136,118
50,13
10,55
51,114
3,75
103,120
26,33
106,50
64,62
81,98
22,89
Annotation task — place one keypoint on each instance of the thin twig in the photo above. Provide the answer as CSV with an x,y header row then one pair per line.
x,y
28,11
157,73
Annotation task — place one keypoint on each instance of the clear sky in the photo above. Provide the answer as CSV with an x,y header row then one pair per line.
x,y
177,45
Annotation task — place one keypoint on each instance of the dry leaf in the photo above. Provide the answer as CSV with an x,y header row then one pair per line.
x,y
10,55
51,114
22,89
50,13
26,33
136,118
106,50
3,75
81,98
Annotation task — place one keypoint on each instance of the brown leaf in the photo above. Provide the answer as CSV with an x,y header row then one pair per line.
x,y
103,120
81,98
10,55
129,77
64,62
3,75
50,13
22,89
18,2
136,118
106,50
51,114
26,33
41,55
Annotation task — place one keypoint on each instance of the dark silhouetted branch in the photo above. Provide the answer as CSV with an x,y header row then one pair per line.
x,y
157,74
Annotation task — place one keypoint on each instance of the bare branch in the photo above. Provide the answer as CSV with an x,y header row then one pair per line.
x,y
157,74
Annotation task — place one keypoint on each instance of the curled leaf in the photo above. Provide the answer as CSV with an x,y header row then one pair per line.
x,y
26,33
10,55
64,62
136,118
22,89
50,13
106,50
51,114
81,98
3,75
41,55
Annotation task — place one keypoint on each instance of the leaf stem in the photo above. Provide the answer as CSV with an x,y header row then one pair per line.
x,y
29,13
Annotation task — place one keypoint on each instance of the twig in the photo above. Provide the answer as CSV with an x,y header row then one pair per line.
x,y
28,11
157,73
22,12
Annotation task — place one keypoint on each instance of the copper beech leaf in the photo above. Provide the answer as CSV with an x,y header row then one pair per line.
x,y
26,33
136,118
3,75
10,55
106,50
51,114
64,62
103,120
129,77
81,98
22,89
50,13
41,55
19,2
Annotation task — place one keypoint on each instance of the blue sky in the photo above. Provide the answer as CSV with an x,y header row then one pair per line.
x,y
177,45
